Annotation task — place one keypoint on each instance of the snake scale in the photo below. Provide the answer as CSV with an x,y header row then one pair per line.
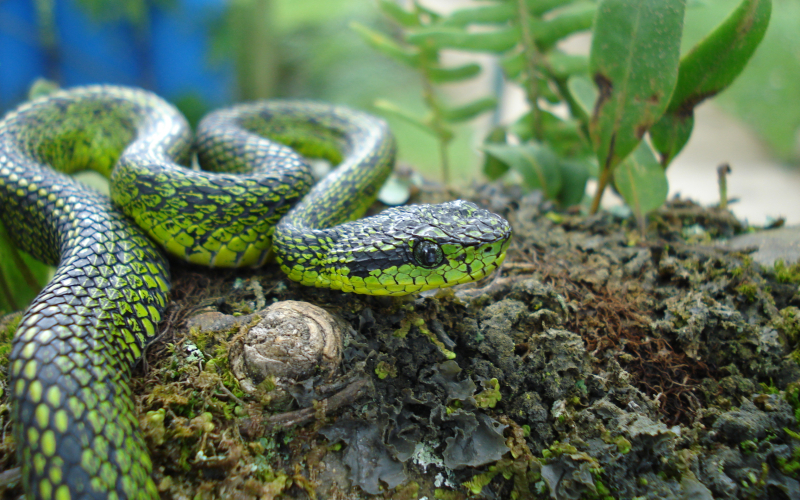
x,y
76,428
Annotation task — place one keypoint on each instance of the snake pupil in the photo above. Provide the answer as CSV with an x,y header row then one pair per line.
x,y
428,253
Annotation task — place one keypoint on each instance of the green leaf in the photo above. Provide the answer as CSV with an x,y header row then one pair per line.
x,y
641,181
573,19
670,134
513,64
492,167
396,111
565,65
583,92
537,164
469,111
398,14
434,16
718,59
539,7
382,43
495,41
574,174
489,14
555,130
634,62
445,75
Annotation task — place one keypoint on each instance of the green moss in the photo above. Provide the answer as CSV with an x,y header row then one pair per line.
x,y
443,494
557,449
476,484
787,274
412,319
623,445
385,369
749,290
8,326
788,322
153,426
791,466
748,446
490,395
405,327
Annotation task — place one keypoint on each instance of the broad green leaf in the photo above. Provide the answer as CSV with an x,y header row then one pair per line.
x,y
492,167
445,75
539,7
434,16
573,19
513,64
556,131
565,65
398,14
547,92
496,41
583,92
641,181
634,62
715,62
574,174
382,43
537,164
707,69
671,133
469,111
489,14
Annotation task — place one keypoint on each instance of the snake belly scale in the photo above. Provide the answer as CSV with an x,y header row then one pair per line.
x,y
75,422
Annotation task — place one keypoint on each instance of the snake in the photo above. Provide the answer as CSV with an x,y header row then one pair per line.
x,y
255,200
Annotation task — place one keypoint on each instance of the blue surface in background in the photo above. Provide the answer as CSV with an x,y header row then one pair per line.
x,y
173,60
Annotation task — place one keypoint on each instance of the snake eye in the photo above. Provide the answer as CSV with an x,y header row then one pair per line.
x,y
428,253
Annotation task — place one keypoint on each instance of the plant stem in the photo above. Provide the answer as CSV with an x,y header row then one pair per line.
x,y
722,176
605,178
532,57
437,119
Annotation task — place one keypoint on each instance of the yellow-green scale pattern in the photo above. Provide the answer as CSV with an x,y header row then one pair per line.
x,y
75,426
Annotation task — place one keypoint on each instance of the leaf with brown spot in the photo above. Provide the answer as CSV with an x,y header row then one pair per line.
x,y
634,62
710,67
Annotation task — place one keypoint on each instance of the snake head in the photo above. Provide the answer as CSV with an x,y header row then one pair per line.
x,y
411,249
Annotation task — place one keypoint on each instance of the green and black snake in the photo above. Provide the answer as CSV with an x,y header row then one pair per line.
x,y
75,423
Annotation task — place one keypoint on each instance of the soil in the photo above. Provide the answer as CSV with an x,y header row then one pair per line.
x,y
599,363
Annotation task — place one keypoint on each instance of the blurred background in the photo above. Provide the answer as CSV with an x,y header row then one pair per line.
x,y
202,54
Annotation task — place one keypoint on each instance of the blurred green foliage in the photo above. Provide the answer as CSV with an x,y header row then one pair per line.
x,y
765,95
587,114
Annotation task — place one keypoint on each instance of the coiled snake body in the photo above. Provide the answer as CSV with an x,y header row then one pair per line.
x,y
75,425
